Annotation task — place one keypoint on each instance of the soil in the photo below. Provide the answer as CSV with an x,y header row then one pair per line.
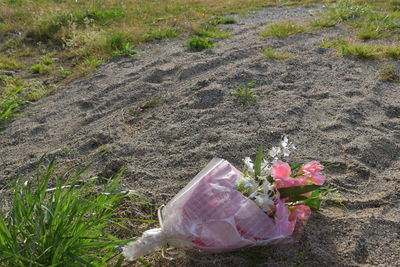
x,y
166,113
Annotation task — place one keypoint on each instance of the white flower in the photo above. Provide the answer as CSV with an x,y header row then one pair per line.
x,y
274,152
246,185
266,170
249,164
264,202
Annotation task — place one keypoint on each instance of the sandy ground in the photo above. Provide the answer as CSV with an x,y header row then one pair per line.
x,y
335,109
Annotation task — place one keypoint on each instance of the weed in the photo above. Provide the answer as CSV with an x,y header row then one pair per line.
x,y
117,41
197,43
283,29
64,72
60,226
211,31
388,73
246,93
272,54
127,51
220,20
41,68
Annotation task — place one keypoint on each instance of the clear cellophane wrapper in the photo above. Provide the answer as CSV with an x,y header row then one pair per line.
x,y
210,215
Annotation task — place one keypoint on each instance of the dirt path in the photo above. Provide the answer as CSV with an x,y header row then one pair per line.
x,y
168,112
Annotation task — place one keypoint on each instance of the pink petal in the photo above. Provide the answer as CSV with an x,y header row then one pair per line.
x,y
281,170
302,212
313,168
317,179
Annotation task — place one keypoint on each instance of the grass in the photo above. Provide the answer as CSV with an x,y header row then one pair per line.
x,y
219,20
9,63
197,44
363,50
272,54
85,34
370,20
61,226
283,29
246,93
16,93
388,73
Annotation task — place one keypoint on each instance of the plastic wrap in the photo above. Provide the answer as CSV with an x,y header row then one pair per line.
x,y
210,215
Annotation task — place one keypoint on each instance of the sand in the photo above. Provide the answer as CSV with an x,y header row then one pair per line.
x,y
335,109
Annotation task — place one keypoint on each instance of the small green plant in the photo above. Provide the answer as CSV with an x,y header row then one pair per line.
x,y
197,43
283,29
335,43
44,66
60,226
41,68
246,93
324,23
126,51
211,31
64,72
388,73
393,52
161,33
272,54
348,9
360,51
219,20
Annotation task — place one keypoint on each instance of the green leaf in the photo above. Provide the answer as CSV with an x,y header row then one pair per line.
x,y
296,198
313,203
295,166
257,163
297,190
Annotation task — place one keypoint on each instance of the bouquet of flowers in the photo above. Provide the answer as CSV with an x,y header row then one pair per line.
x,y
223,209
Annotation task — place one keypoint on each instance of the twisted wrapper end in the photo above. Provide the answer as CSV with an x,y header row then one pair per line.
x,y
150,241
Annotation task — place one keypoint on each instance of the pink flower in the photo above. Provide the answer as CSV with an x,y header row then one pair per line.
x,y
281,173
302,212
312,172
281,169
313,168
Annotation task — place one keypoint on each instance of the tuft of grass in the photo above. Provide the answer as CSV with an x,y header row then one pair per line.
x,y
211,31
323,23
220,20
161,33
388,73
246,93
365,51
154,102
61,226
41,68
197,43
44,66
392,52
348,9
272,54
9,63
360,51
127,51
64,72
283,29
